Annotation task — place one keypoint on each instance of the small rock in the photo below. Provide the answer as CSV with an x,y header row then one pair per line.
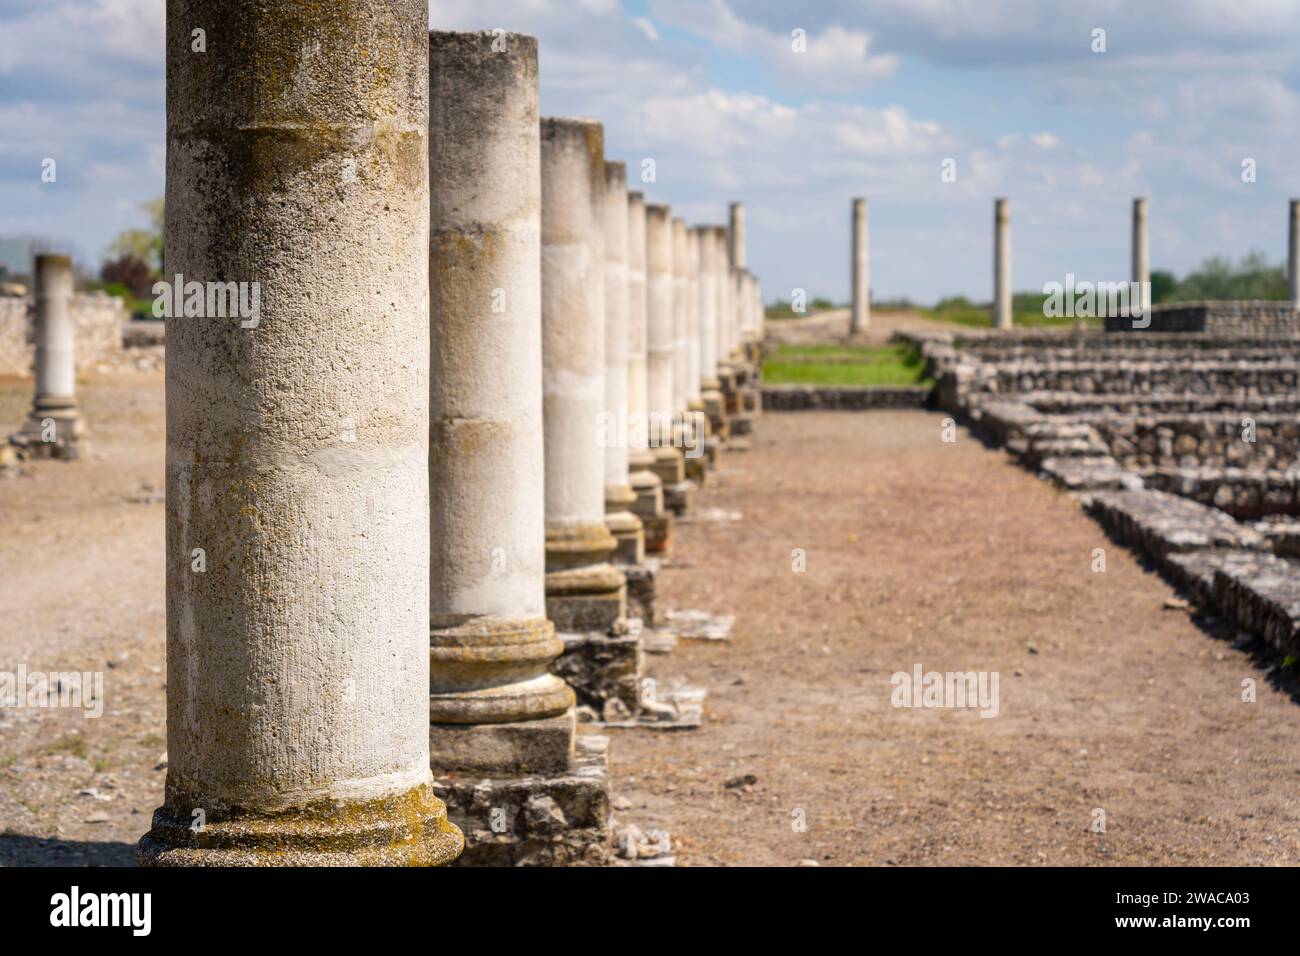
x,y
544,814
1176,604
615,711
808,863
747,780
621,803
97,818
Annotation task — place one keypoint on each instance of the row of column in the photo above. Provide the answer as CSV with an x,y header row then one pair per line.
x,y
399,479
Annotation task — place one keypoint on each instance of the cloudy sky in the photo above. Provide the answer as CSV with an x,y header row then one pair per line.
x,y
882,94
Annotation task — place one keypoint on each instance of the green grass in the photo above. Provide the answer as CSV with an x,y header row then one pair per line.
x,y
850,365
982,318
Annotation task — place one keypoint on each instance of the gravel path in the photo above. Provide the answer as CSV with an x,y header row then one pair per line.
x,y
917,551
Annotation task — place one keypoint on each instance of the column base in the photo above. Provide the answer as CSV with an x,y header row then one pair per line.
x,y
626,527
641,579
716,409
489,670
649,493
404,829
601,669
669,466
679,496
659,533
592,598
560,819
741,424
522,747
54,428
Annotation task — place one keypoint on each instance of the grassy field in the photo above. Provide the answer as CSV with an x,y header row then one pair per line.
x,y
848,365
1026,312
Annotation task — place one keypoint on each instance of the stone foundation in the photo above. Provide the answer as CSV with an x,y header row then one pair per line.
x,y
560,819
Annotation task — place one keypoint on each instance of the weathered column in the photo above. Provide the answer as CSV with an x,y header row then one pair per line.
x,y
619,495
708,308
1141,256
583,591
659,346
694,422
1293,254
493,706
54,427
649,505
724,375
297,447
681,315
715,242
1001,264
860,317
736,235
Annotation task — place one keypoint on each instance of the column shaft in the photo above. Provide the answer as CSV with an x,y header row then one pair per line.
x,y
860,317
1141,255
1001,264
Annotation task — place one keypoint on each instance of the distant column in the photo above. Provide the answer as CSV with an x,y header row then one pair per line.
x,y
860,317
1001,264
736,234
1293,254
1141,254
54,427
619,494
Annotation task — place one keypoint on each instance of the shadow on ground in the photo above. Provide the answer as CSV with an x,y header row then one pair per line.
x,y
17,849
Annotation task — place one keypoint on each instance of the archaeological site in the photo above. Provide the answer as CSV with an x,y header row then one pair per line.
x,y
613,435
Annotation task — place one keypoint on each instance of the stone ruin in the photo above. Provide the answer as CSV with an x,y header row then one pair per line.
x,y
1183,445
504,557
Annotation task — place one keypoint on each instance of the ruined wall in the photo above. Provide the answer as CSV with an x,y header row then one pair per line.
x,y
99,319
1249,317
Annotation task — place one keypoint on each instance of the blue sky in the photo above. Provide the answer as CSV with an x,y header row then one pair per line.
x,y
713,90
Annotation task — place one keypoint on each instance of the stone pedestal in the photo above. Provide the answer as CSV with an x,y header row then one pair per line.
x,y
560,819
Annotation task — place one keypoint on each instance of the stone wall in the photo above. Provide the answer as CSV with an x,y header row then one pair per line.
x,y
1250,317
788,398
99,319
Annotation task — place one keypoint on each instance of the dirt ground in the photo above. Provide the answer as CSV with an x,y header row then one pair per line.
x,y
917,552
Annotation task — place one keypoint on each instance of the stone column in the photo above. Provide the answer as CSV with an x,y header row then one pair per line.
x,y
736,235
1293,254
681,315
659,344
695,424
619,494
297,531
723,380
584,592
494,706
708,337
649,505
710,385
54,427
1141,256
1001,264
860,317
